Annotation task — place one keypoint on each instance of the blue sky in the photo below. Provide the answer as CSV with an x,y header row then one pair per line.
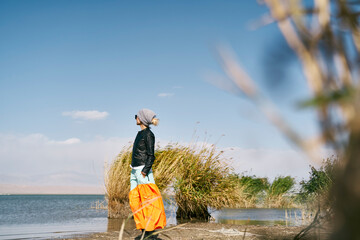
x,y
116,57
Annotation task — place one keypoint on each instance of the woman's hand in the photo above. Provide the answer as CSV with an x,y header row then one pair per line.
x,y
144,175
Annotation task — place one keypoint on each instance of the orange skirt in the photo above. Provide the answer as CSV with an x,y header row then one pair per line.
x,y
146,202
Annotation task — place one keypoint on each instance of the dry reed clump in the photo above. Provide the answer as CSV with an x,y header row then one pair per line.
x,y
197,175
117,177
203,181
165,165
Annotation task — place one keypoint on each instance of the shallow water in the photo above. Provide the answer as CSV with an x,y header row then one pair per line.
x,y
44,216
53,216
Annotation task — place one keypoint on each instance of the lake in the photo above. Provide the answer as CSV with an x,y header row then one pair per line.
x,y
53,216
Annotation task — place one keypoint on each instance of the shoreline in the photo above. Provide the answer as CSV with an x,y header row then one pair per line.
x,y
209,230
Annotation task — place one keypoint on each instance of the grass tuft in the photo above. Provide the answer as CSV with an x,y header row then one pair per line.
x,y
203,181
277,193
196,175
117,184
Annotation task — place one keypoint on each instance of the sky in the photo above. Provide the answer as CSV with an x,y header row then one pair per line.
x,y
74,73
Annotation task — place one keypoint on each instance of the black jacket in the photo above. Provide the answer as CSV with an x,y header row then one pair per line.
x,y
143,150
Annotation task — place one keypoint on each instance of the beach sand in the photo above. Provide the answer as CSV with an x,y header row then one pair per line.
x,y
209,231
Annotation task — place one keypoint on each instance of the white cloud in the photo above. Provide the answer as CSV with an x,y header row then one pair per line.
x,y
67,141
36,160
165,94
86,115
34,139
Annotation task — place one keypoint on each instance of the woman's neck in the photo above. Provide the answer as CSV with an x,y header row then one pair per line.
x,y
142,126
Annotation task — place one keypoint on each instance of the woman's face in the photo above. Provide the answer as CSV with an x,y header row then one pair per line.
x,y
138,121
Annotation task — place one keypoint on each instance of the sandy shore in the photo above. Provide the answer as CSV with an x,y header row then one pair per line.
x,y
209,231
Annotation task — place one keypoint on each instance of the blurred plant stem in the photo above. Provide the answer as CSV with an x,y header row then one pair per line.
x,y
325,37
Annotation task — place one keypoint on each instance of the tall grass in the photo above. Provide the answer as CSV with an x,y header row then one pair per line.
x,y
117,185
203,181
166,165
252,188
258,192
277,193
195,173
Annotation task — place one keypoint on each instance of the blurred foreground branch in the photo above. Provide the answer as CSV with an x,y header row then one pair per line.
x,y
326,40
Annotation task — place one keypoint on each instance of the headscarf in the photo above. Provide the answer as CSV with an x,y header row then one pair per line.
x,y
146,116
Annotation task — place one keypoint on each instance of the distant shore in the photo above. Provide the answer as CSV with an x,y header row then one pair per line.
x,y
208,231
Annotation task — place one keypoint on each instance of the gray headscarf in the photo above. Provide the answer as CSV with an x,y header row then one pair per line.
x,y
146,116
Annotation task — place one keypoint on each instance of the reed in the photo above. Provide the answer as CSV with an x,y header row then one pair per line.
x,y
117,185
197,175
203,181
165,165
252,189
277,195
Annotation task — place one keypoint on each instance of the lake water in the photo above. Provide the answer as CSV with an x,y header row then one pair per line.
x,y
53,216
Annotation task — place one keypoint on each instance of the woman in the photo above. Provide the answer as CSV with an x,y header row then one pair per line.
x,y
145,198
